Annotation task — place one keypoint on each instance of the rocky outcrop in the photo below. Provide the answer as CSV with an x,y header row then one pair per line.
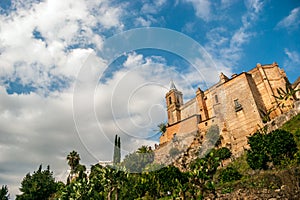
x,y
183,145
188,147
277,122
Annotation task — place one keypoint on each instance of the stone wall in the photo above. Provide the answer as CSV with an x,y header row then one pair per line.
x,y
185,126
267,79
242,122
189,108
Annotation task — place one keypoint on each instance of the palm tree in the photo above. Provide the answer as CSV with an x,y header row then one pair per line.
x,y
286,97
162,128
73,161
144,149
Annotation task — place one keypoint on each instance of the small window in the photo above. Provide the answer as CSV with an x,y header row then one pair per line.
x,y
216,99
170,100
174,137
237,105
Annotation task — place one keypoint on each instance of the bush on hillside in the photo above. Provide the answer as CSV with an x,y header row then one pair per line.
x,y
229,174
275,147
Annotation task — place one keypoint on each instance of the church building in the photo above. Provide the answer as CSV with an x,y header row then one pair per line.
x,y
238,105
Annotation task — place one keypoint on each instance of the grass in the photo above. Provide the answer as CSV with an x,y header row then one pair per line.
x,y
292,125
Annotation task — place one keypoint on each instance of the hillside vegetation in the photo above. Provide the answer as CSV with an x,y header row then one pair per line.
x,y
278,180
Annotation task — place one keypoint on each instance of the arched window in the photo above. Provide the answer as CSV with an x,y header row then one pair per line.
x,y
170,100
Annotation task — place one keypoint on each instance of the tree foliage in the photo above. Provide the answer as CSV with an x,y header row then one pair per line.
x,y
275,147
40,185
4,195
203,169
162,128
118,182
223,153
137,161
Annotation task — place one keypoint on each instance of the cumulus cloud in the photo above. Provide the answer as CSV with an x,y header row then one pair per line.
x,y
292,21
41,42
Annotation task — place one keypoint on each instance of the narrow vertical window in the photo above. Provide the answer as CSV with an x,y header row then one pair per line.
x,y
216,99
170,100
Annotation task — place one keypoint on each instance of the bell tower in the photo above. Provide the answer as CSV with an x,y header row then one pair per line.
x,y
174,101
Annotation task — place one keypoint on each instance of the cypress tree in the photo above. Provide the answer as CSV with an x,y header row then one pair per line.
x,y
117,150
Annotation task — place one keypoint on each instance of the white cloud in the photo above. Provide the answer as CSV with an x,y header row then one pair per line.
x,y
152,7
66,27
227,3
292,21
254,5
34,130
225,45
202,7
292,61
140,21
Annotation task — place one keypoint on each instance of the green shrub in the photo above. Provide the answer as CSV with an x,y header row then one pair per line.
x,y
282,146
223,153
257,160
277,147
229,174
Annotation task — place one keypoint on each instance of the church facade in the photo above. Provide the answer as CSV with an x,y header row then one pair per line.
x,y
237,105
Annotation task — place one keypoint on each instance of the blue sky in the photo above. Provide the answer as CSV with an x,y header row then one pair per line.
x,y
75,73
